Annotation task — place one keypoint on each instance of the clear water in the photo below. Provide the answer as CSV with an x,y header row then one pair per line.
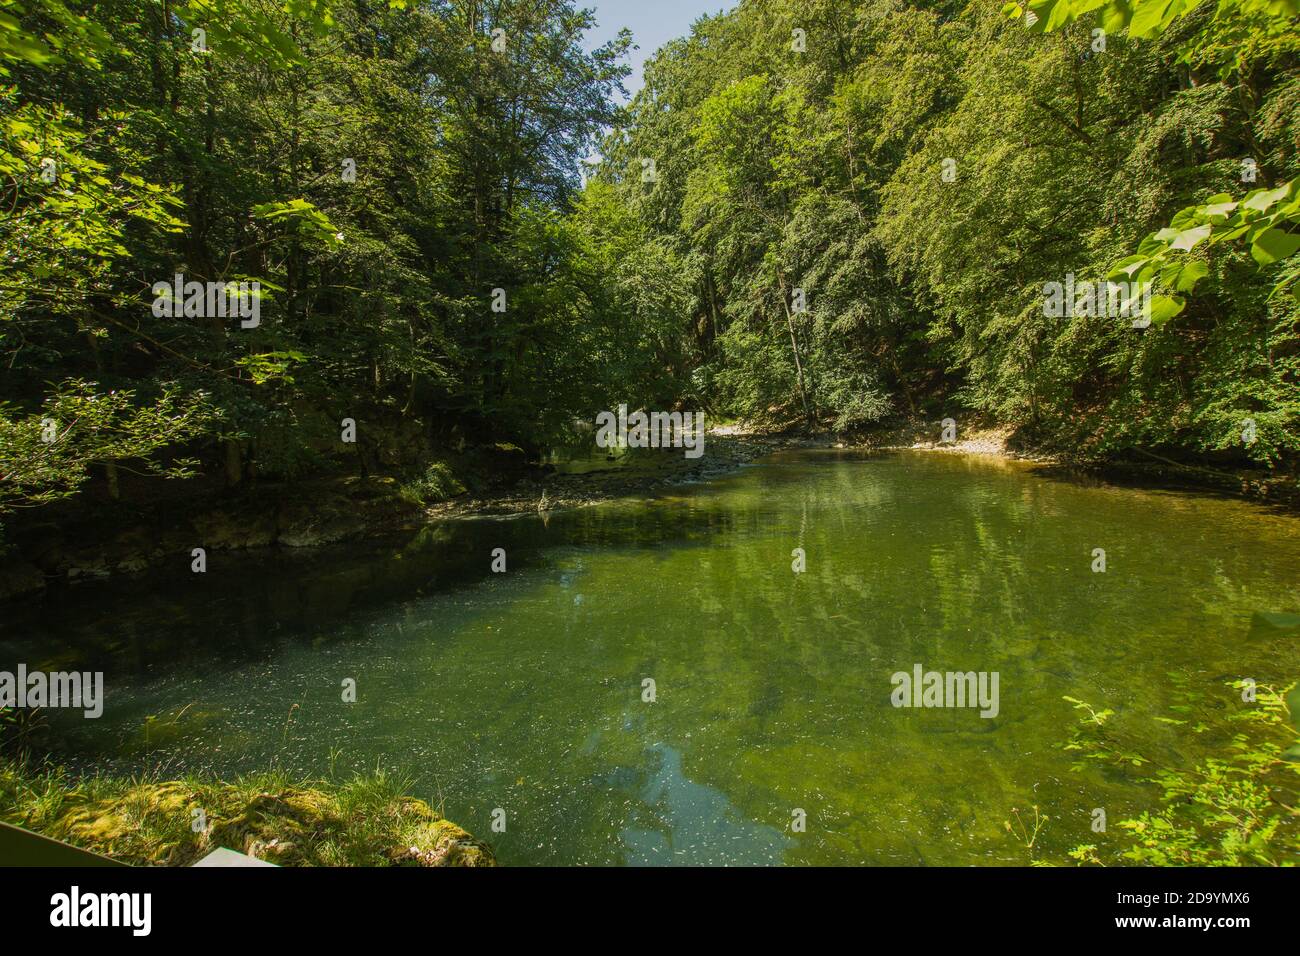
x,y
523,690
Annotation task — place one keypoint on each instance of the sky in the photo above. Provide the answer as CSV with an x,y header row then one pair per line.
x,y
652,22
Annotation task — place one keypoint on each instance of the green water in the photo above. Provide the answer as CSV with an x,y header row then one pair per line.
x,y
523,690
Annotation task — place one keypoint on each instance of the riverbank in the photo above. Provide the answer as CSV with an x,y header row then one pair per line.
x,y
367,821
100,539
95,539
1141,468
647,473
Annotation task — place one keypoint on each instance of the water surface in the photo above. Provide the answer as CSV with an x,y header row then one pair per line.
x,y
524,690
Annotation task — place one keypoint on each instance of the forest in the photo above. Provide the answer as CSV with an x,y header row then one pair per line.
x,y
264,250
836,213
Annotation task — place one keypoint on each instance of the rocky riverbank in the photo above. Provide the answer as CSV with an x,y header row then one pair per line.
x,y
107,538
555,491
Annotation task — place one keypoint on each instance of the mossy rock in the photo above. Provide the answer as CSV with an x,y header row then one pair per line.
x,y
365,822
442,843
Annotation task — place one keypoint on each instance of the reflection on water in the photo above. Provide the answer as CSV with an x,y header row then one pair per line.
x,y
523,691
677,821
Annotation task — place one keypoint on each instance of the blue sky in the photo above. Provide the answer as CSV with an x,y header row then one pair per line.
x,y
652,22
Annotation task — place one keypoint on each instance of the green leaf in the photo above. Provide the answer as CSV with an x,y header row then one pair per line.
x,y
1274,244
1219,207
1125,268
1261,200
1191,274
1188,239
1165,307
1149,16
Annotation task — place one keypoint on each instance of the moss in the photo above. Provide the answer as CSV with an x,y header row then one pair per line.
x,y
367,821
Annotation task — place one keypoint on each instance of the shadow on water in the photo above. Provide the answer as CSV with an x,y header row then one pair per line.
x,y
247,605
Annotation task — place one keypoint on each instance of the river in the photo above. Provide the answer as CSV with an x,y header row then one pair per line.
x,y
525,691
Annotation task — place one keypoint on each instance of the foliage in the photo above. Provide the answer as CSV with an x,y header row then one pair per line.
x,y
842,230
438,483
1239,809
221,156
919,171
48,456
1262,32
1260,217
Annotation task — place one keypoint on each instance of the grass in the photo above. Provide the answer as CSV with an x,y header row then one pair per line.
x,y
438,483
369,820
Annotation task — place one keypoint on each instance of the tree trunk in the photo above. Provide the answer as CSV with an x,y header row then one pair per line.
x,y
798,362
